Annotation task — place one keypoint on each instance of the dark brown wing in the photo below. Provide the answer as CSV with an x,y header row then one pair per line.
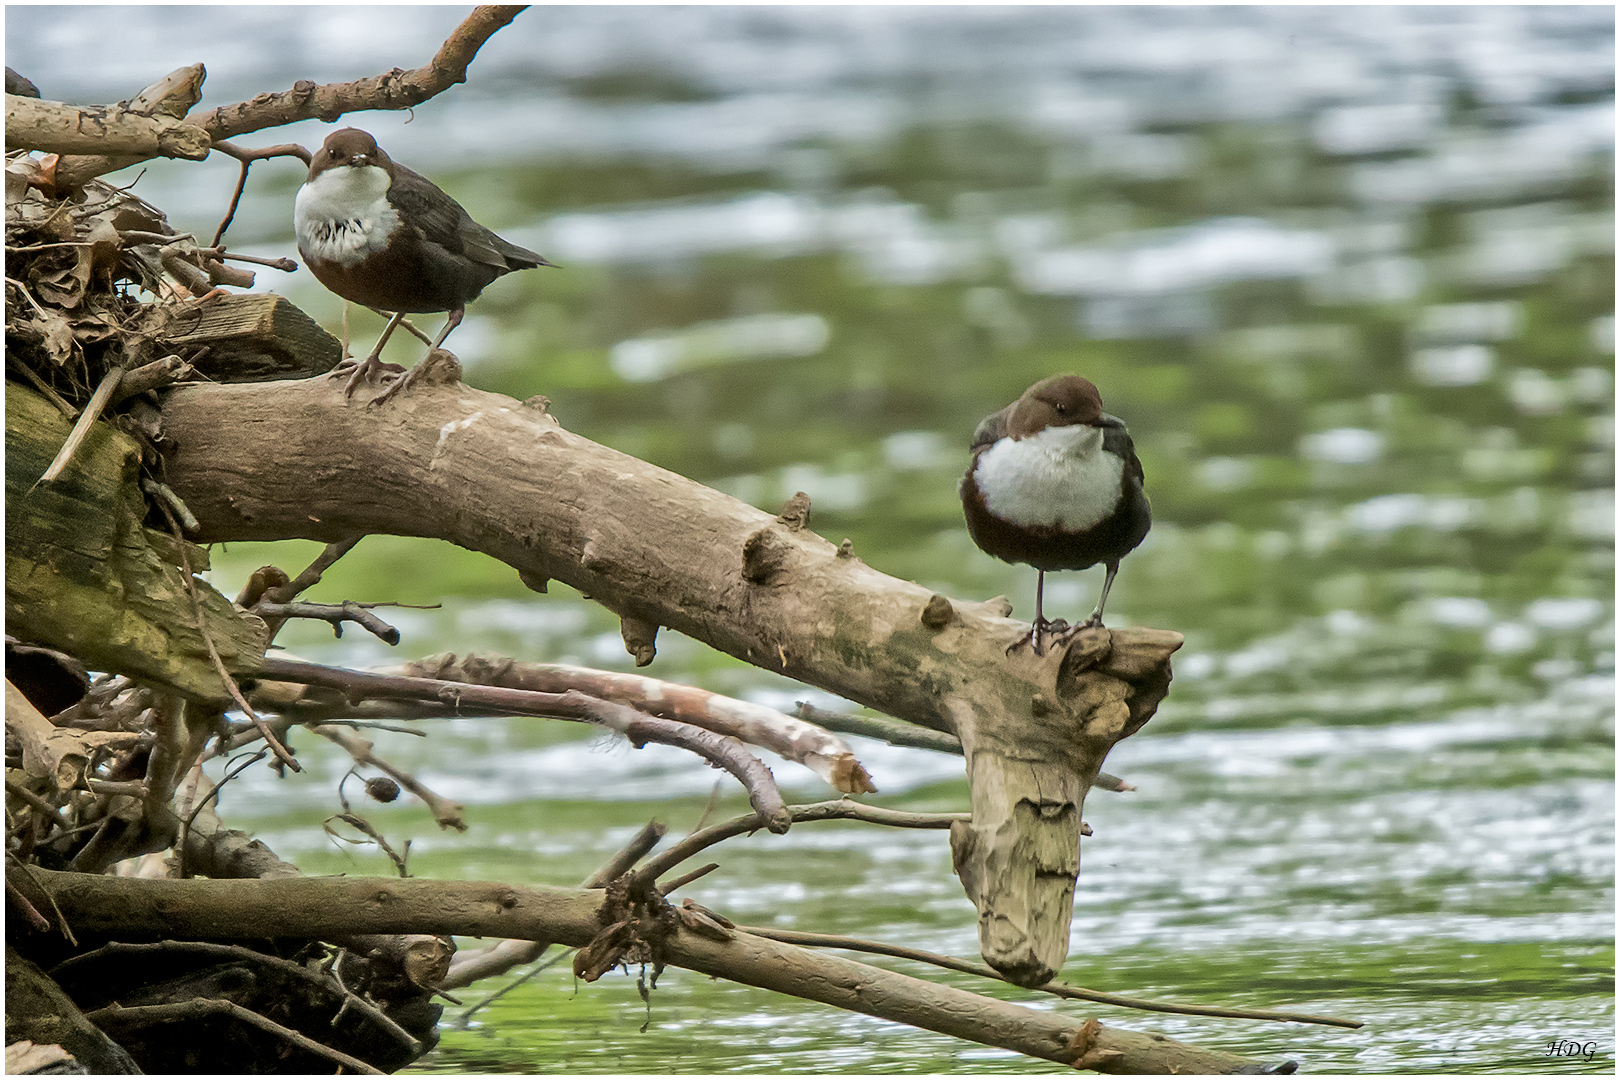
x,y
991,430
1117,441
441,221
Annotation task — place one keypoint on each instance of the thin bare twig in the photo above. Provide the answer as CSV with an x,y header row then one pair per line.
x,y
45,388
1063,990
336,614
358,822
466,1018
165,495
667,887
311,575
841,809
247,157
209,948
118,1017
231,688
447,812
30,912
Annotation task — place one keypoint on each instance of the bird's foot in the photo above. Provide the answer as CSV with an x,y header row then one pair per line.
x,y
1055,627
359,373
397,385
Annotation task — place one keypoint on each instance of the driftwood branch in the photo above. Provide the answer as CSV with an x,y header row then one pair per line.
x,y
638,727
828,756
326,907
394,89
113,130
490,474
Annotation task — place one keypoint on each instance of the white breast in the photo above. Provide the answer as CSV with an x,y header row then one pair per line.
x,y
343,215
1060,477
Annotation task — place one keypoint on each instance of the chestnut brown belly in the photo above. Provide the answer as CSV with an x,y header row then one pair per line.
x,y
399,279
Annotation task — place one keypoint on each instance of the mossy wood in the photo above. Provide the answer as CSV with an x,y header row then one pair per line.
x,y
85,575
298,459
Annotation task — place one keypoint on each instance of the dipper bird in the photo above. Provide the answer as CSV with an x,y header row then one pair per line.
x,y
378,234
1055,483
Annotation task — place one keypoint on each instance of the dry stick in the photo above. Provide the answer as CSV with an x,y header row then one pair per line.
x,y
466,1017
1064,990
280,263
61,919
311,575
211,948
42,386
391,90
336,614
30,912
165,494
51,812
446,812
667,887
638,727
231,688
158,373
247,157
467,968
92,411
139,1016
824,753
841,809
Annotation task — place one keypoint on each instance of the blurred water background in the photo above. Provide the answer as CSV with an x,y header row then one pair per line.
x,y
1348,274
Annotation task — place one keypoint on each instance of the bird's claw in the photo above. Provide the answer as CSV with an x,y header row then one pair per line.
x,y
1055,627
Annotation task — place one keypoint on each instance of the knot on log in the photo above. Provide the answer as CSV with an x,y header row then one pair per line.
x,y
937,613
640,638
765,556
796,512
439,368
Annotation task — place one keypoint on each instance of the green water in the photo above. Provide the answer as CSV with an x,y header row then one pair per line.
x,y
1371,386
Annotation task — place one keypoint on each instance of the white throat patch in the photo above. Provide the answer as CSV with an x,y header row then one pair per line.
x,y
1058,477
343,215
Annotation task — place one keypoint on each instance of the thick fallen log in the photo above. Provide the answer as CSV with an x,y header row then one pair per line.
x,y
326,907
502,477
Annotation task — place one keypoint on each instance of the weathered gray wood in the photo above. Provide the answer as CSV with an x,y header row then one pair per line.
x,y
81,573
493,475
252,337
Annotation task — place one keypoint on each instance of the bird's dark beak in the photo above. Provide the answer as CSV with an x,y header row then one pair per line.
x,y
360,160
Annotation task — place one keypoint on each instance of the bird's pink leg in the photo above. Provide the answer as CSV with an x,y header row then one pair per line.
x,y
372,362
410,376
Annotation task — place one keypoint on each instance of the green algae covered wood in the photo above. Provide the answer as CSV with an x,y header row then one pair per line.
x,y
85,575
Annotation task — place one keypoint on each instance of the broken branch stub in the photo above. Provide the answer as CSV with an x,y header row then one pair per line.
x,y
489,474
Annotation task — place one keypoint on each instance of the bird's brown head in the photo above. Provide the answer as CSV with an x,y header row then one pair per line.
x,y
349,146
1060,401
